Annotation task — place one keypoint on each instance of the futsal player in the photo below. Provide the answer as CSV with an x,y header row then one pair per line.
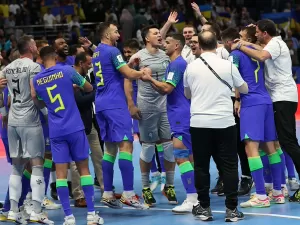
x,y
54,89
25,133
113,115
178,109
154,125
129,49
257,125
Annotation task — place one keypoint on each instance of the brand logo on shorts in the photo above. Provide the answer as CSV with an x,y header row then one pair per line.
x,y
150,135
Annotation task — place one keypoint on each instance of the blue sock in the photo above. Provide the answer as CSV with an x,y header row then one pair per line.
x,y
63,193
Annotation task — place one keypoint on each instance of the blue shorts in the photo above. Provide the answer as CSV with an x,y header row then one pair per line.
x,y
46,136
6,147
257,123
185,136
115,125
71,147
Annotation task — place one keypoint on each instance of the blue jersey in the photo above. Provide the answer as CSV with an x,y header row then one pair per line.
x,y
5,102
178,106
252,71
69,61
55,87
110,82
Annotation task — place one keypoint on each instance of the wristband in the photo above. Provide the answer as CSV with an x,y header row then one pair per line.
x,y
91,45
3,111
44,111
239,46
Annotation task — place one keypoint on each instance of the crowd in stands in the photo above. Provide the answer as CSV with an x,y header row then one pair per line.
x,y
131,16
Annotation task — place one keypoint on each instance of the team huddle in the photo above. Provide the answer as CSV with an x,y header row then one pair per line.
x,y
147,95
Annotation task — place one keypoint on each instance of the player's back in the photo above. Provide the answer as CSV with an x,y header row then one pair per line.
x,y
23,111
110,82
55,87
252,71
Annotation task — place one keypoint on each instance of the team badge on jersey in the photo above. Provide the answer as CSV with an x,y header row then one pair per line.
x,y
165,64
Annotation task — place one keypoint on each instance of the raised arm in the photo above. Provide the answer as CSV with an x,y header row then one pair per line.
x,y
198,13
171,20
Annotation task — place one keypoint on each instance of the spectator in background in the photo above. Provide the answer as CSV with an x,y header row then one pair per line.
x,y
293,52
13,7
127,25
295,41
9,24
140,19
61,18
74,23
49,19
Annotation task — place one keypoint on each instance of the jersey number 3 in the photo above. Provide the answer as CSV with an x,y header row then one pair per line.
x,y
55,98
99,74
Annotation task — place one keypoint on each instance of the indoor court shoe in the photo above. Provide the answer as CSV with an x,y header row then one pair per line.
x,y
53,191
295,197
16,217
218,186
185,207
245,187
254,202
148,197
293,183
169,192
133,201
94,219
203,214
3,216
233,215
277,199
41,217
111,202
50,205
70,220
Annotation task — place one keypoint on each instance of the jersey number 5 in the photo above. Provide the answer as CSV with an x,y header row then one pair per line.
x,y
16,91
99,74
55,98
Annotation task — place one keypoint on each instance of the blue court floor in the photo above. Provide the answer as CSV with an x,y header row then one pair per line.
x,y
161,214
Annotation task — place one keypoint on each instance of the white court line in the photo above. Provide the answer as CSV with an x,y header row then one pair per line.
x,y
223,212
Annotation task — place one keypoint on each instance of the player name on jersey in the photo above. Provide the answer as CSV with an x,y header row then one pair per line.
x,y
45,80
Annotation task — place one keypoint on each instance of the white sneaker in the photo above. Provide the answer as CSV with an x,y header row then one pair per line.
x,y
94,219
163,179
293,183
48,204
185,207
28,206
3,216
155,181
40,218
16,217
70,220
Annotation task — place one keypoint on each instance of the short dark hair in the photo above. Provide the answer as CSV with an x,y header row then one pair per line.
x,y
22,44
267,26
47,52
73,49
178,37
207,40
41,43
215,28
132,44
230,34
145,31
81,57
103,28
251,31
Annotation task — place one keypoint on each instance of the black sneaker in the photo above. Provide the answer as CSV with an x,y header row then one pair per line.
x,y
295,197
148,197
215,190
53,191
233,215
169,192
221,190
246,186
201,213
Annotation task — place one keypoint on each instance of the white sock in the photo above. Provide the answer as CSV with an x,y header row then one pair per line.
x,y
38,191
129,194
53,176
15,190
108,194
69,175
277,192
261,197
269,186
283,186
192,197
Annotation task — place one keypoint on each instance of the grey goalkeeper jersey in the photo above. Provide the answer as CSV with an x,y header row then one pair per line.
x,y
148,99
23,111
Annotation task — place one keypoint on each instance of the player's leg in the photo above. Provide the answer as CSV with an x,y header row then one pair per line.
x,y
148,135
182,144
62,158
283,164
252,132
109,158
164,133
292,180
79,150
